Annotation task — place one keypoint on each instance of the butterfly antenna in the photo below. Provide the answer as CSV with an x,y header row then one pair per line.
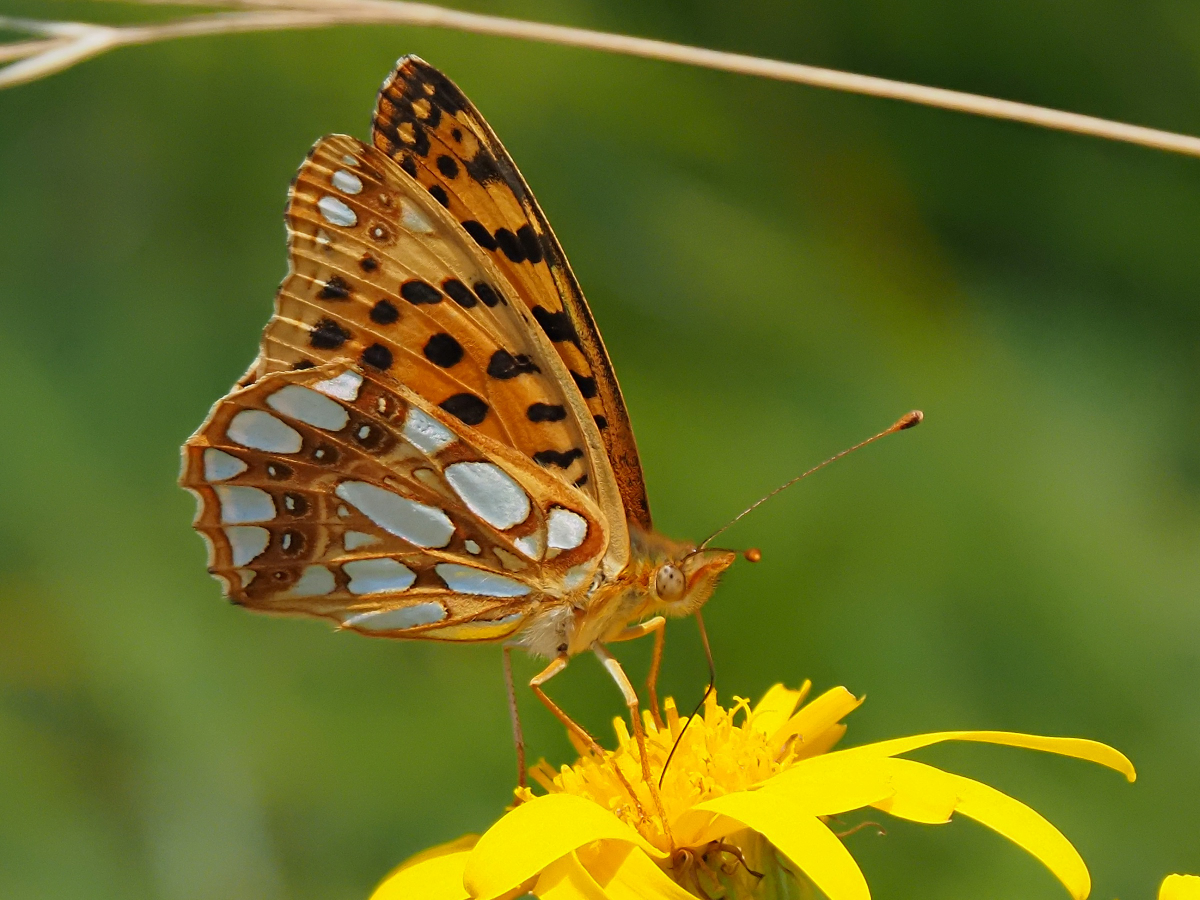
x,y
908,420
712,684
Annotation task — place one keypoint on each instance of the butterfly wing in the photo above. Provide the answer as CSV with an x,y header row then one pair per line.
x,y
382,274
430,129
334,491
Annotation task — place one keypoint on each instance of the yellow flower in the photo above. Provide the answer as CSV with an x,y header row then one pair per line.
x,y
747,798
1180,887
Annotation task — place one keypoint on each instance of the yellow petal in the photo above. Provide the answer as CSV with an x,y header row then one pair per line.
x,y
437,874
920,793
777,704
1092,751
924,786
626,873
567,879
694,827
1180,887
832,784
537,833
803,839
822,743
813,719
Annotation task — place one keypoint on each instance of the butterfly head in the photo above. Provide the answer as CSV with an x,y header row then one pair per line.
x,y
682,585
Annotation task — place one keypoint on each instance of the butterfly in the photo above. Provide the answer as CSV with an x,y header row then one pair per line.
x,y
431,443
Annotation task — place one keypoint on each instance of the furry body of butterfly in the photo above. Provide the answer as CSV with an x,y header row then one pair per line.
x,y
432,443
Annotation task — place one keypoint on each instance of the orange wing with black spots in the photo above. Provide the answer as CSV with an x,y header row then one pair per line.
x,y
380,275
428,127
383,275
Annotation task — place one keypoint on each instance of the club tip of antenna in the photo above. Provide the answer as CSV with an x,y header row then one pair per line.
x,y
909,420
753,554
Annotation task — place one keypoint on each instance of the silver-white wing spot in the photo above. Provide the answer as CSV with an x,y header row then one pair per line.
x,y
490,493
425,526
397,619
246,542
316,581
244,504
530,545
565,530
466,580
344,386
260,430
309,407
375,576
221,466
335,212
426,433
346,182
352,540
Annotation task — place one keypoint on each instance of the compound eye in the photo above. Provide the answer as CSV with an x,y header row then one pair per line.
x,y
669,583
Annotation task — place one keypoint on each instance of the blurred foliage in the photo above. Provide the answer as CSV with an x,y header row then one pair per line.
x,y
778,272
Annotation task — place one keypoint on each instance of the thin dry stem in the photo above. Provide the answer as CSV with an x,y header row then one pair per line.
x,y
74,42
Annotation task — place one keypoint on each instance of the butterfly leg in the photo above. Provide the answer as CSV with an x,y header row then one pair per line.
x,y
515,715
557,665
657,626
631,700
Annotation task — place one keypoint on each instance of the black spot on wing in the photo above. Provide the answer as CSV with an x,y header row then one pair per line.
x,y
368,263
530,243
459,293
466,407
483,167
560,458
384,313
336,288
487,294
557,325
601,422
447,166
438,193
328,335
378,356
409,165
504,365
546,412
586,385
479,234
417,292
443,350
303,364
510,245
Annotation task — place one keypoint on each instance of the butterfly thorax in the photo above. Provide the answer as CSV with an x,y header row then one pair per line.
x,y
663,576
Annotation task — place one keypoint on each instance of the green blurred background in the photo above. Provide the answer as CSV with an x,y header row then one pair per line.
x,y
778,272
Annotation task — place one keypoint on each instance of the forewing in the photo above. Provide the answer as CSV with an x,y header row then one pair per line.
x,y
336,492
430,129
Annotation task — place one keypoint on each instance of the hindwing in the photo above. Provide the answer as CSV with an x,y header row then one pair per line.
x,y
336,492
